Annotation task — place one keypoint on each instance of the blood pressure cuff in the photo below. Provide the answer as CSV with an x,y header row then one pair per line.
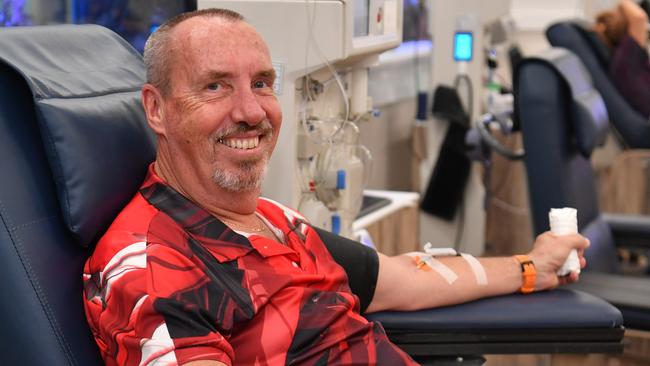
x,y
360,263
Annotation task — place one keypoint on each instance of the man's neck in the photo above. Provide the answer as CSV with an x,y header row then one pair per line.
x,y
233,206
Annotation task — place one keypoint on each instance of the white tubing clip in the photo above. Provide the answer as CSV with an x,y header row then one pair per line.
x,y
439,252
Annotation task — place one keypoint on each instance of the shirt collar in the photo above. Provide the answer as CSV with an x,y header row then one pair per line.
x,y
198,222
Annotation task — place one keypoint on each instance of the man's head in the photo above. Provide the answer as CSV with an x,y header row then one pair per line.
x,y
209,98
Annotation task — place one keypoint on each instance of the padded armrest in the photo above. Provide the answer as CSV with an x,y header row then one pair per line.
x,y
630,294
546,322
550,309
629,230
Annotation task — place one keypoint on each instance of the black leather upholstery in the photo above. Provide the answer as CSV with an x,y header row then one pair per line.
x,y
79,86
82,107
510,312
588,114
559,174
631,126
43,321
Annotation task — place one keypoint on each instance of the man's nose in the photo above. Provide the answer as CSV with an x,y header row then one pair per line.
x,y
247,108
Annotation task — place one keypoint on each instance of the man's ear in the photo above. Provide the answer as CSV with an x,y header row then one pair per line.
x,y
152,102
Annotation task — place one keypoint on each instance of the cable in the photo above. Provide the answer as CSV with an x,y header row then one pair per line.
x,y
314,44
461,224
470,92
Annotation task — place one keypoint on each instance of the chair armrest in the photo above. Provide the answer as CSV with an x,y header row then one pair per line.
x,y
631,295
546,322
559,308
629,231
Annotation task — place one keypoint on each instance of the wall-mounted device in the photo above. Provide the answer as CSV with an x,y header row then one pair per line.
x,y
463,46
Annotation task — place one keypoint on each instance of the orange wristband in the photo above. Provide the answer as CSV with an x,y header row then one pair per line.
x,y
528,274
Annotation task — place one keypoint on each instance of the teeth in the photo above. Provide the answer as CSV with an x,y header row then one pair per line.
x,y
243,144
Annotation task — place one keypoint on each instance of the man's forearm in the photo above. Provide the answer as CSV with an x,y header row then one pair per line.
x,y
423,287
403,284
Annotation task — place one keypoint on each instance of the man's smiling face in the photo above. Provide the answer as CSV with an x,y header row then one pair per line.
x,y
221,115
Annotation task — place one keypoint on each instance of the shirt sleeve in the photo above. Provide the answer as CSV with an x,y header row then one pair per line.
x,y
152,307
360,263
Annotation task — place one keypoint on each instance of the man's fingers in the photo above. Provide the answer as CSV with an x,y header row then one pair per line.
x,y
579,241
570,278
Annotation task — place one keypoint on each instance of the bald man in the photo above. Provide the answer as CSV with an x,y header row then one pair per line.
x,y
199,270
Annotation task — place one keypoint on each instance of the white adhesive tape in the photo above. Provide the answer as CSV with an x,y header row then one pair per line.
x,y
444,271
477,268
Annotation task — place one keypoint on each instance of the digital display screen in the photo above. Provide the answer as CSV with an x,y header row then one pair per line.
x,y
463,43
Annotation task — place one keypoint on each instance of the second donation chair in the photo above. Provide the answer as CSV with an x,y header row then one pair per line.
x,y
563,119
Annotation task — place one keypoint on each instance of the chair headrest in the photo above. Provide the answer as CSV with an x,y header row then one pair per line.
x,y
590,122
85,82
585,29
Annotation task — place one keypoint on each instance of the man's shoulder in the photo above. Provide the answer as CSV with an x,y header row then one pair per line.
x,y
130,226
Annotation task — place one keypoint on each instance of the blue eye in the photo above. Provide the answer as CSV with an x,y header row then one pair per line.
x,y
259,84
214,86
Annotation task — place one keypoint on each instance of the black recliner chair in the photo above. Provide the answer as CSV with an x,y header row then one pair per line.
x,y
563,119
632,129
74,147
70,122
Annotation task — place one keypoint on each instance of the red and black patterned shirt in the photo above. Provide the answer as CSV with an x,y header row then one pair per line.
x,y
169,283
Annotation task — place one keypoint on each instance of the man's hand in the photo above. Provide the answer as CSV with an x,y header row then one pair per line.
x,y
549,253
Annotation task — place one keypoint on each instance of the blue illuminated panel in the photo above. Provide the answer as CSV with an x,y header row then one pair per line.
x,y
463,42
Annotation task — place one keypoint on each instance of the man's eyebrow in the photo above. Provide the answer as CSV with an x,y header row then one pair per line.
x,y
214,74
270,73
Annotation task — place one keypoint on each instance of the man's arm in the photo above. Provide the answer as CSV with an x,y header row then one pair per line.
x,y
403,286
637,21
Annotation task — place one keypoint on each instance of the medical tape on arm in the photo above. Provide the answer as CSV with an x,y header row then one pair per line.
x,y
474,264
477,268
428,259
444,271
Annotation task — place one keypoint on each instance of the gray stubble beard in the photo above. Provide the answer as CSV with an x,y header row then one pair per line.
x,y
246,178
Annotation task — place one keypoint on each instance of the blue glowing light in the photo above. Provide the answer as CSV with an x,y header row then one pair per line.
x,y
463,42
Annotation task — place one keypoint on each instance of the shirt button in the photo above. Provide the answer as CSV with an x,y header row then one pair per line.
x,y
295,264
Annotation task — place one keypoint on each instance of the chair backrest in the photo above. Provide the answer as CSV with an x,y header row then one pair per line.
x,y
632,128
563,118
74,147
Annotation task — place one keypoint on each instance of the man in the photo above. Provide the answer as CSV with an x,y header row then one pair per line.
x,y
624,29
198,270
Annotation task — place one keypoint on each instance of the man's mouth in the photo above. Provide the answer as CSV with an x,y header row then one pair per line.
x,y
241,143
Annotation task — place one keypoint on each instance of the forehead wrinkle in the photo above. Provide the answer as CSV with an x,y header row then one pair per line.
x,y
225,40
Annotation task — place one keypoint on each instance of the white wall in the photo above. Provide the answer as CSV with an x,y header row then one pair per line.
x,y
445,22
533,16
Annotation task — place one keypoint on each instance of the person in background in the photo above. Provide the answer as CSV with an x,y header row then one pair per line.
x,y
624,29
